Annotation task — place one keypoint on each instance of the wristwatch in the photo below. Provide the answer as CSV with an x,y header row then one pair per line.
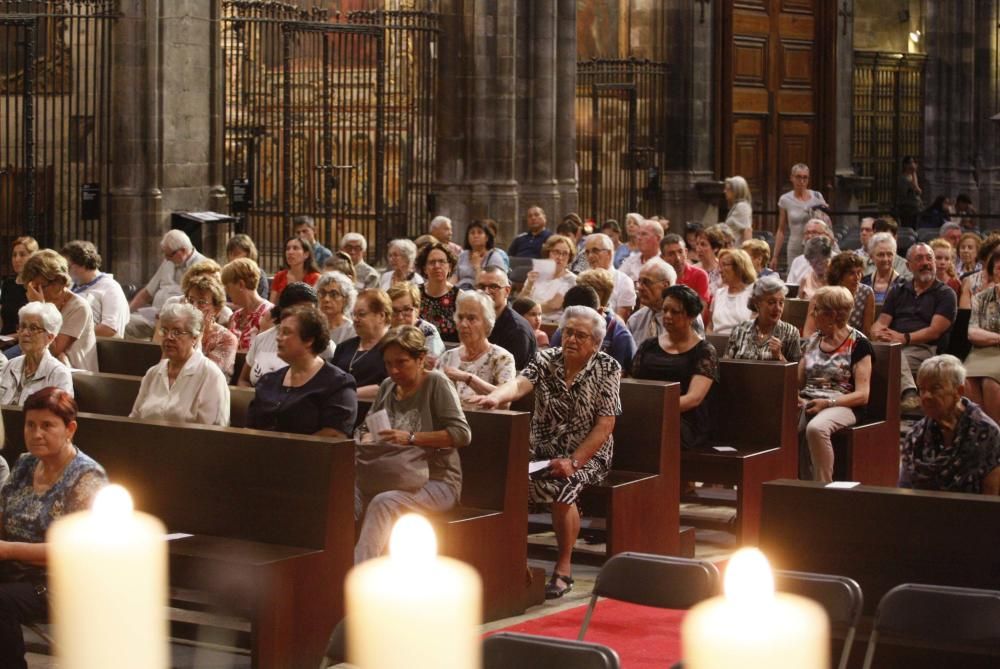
x,y
411,438
575,463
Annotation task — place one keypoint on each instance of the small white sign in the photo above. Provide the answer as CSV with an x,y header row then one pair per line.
x,y
843,484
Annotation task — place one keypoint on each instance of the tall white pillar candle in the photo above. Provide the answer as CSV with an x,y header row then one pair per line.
x,y
108,585
413,609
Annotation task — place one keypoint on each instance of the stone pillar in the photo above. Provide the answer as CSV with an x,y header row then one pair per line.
x,y
566,57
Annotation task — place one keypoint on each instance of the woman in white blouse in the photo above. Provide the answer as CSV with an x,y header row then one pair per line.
x,y
39,324
476,367
731,301
740,216
185,386
549,291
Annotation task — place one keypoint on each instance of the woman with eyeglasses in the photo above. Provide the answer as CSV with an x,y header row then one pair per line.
x,y
549,291
39,324
406,300
361,356
337,296
217,343
795,208
438,295
185,386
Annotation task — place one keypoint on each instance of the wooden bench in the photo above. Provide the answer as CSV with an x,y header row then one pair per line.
x,y
271,514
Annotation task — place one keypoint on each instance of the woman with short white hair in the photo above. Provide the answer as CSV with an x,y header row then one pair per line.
x,y
355,245
185,386
337,296
766,337
402,256
882,251
476,366
38,325
740,216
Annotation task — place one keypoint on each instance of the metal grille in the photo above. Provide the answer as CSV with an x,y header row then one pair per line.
x,y
55,101
888,119
620,150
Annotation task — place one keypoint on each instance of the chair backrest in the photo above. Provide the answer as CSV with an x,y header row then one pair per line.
x,y
657,580
647,427
941,615
720,342
509,650
840,596
883,394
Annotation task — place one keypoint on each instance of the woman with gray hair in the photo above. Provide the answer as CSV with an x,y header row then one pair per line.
x,y
185,386
882,251
355,245
38,325
476,367
337,296
402,256
766,337
577,400
955,447
740,216
817,252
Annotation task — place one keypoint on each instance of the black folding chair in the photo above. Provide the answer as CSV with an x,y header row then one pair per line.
x,y
508,650
839,596
653,580
938,617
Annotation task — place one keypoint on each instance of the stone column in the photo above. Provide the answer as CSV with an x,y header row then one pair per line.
x,y
566,57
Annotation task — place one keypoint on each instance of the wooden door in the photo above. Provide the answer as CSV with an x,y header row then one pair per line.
x,y
776,101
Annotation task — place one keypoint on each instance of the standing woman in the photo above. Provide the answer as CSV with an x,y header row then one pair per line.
x,y
337,296
982,365
795,208
241,277
361,356
12,294
402,255
480,252
300,265
437,294
740,216
730,303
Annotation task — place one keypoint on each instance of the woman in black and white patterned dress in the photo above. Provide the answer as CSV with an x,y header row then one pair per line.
x,y
577,398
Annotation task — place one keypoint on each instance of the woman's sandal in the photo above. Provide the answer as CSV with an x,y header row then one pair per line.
x,y
553,590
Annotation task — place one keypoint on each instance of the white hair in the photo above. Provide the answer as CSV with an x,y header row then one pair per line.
x,y
52,320
598,327
438,221
662,268
344,285
605,241
881,238
942,368
354,237
176,240
485,303
655,226
638,218
406,247
182,312
768,285
819,221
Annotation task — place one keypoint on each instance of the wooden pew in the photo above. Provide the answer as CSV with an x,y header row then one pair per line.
x,y
271,514
796,311
126,356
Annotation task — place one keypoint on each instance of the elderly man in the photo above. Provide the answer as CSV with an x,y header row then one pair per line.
x,y
654,276
956,446
800,266
529,244
600,252
648,240
305,228
441,230
355,245
178,256
865,231
674,251
510,331
899,264
917,313
951,233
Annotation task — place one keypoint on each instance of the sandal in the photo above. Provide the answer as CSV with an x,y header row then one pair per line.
x,y
553,589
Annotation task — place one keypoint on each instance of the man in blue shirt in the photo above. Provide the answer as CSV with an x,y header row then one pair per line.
x,y
305,228
529,244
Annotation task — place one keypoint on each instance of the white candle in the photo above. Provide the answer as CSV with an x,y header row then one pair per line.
x,y
413,609
108,582
751,627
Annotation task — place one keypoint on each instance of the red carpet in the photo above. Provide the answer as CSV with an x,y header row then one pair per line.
x,y
643,637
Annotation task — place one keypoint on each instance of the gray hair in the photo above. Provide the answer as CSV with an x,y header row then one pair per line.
x,y
485,303
913,249
52,320
881,238
177,312
768,285
605,241
819,221
598,327
498,272
662,268
638,218
674,238
344,285
655,226
740,189
406,247
816,248
947,227
438,221
942,368
354,237
176,240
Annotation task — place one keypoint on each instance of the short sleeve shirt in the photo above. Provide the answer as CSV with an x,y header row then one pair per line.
x,y
495,366
911,312
78,322
328,400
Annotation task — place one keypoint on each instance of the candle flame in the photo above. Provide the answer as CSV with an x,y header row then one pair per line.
x,y
748,578
412,539
113,501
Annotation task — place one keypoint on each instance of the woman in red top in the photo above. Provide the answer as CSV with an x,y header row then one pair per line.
x,y
300,265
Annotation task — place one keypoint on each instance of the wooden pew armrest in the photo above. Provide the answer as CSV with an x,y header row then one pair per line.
x,y
236,551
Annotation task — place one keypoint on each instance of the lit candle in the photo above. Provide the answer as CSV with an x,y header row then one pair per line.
x,y
751,627
108,582
413,609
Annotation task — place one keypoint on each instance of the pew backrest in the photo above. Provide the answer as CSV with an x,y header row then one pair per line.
x,y
647,427
126,356
795,312
755,404
883,396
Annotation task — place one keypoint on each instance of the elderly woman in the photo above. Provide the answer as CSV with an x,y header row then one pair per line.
x,y
413,465
402,255
355,246
39,326
406,301
52,479
740,216
361,356
437,293
680,355
13,295
982,365
480,252
795,208
185,386
834,378
577,399
337,296
46,279
846,270
766,337
240,277
300,266
217,343
955,447
548,291
968,254
882,251
730,302
476,367
309,396
242,246
818,252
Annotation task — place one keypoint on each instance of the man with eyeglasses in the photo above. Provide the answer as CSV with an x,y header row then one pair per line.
x,y
178,256
654,276
510,332
600,252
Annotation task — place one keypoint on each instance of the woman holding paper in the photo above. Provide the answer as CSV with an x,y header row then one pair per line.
x,y
548,282
52,479
406,455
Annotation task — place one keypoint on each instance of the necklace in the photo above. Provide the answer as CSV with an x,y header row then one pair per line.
x,y
358,355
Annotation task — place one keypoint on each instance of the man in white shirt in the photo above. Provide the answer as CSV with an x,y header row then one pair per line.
x,y
654,276
178,256
600,252
648,240
106,297
440,229
800,266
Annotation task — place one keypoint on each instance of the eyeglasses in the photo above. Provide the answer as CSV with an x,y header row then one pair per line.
x,y
404,311
30,329
433,263
558,253
595,251
201,304
646,281
576,334
352,248
490,287
174,333
332,294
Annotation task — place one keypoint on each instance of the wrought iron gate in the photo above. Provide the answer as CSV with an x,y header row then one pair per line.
x,y
55,95
620,117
